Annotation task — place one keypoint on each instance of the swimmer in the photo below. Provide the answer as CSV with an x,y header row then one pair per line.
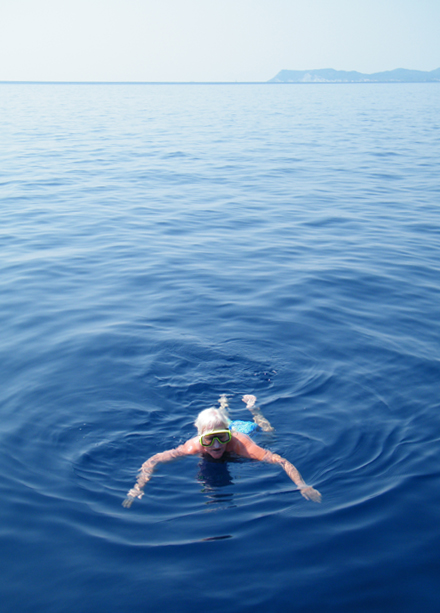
x,y
217,436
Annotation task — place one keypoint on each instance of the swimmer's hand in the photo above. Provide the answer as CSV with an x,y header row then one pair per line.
x,y
135,492
310,494
128,502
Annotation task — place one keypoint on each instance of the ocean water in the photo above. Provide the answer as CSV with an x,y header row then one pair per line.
x,y
164,244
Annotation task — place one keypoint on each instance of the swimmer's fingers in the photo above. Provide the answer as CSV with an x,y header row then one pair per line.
x,y
135,492
128,502
310,494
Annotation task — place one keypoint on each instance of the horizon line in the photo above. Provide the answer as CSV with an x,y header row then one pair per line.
x,y
138,82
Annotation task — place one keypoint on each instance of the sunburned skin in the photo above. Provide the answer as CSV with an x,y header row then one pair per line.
x,y
240,445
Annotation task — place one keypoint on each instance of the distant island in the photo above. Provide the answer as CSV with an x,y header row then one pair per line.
x,y
329,75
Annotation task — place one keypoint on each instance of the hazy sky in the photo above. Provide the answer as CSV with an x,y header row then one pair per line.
x,y
212,40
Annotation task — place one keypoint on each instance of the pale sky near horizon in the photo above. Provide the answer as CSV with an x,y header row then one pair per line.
x,y
212,40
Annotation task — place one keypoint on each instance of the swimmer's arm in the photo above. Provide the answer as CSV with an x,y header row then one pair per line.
x,y
307,491
245,446
147,469
145,474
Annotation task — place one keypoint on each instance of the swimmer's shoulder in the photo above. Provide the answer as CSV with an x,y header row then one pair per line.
x,y
241,442
191,447
246,447
243,438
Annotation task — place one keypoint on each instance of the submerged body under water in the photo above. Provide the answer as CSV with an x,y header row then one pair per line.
x,y
162,245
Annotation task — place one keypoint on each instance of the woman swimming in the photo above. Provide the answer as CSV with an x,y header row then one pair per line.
x,y
217,435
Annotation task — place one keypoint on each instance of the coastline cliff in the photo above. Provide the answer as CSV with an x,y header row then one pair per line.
x,y
329,75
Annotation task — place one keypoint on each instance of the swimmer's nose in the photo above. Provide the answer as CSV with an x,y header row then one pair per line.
x,y
216,444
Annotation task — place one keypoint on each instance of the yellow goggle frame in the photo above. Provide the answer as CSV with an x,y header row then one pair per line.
x,y
223,437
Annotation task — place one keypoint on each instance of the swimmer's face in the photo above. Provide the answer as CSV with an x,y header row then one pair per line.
x,y
216,450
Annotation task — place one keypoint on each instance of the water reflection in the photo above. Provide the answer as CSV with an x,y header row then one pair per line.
x,y
214,475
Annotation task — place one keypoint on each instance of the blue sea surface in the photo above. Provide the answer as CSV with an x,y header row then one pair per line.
x,y
165,244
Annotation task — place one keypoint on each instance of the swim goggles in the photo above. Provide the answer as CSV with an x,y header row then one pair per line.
x,y
223,437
